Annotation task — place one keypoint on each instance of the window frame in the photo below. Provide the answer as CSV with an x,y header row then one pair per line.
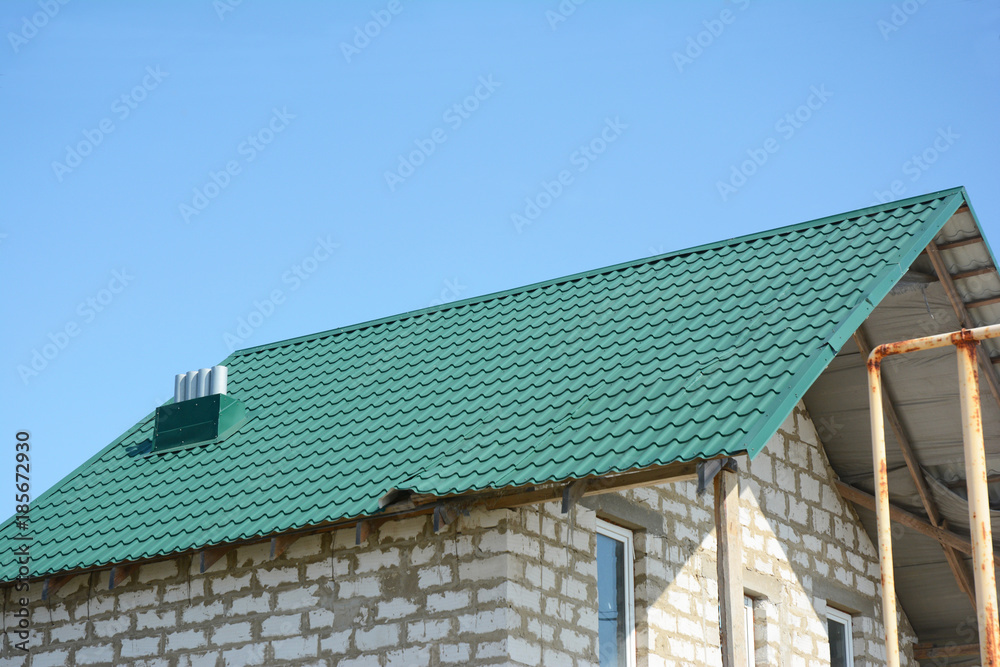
x,y
748,624
625,536
845,619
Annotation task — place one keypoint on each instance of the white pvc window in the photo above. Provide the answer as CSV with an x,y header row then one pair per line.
x,y
748,624
615,596
840,631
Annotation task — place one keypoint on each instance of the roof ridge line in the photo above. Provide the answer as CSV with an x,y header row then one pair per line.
x,y
490,296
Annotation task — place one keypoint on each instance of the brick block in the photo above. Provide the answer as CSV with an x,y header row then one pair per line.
x,y
92,655
201,613
378,637
436,575
277,576
154,620
185,640
281,626
295,648
231,633
414,656
137,648
229,583
428,631
396,609
448,601
47,659
244,656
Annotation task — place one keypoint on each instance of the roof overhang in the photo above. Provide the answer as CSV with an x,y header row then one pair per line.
x,y
953,284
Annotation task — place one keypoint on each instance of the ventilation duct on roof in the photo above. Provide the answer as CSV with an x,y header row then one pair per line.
x,y
201,411
196,384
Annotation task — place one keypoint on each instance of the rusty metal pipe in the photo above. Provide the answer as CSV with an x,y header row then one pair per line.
x,y
979,504
936,341
966,342
882,513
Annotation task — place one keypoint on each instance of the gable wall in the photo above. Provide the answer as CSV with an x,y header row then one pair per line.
x,y
803,548
495,587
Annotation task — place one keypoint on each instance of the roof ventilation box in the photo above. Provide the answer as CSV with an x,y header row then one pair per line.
x,y
201,411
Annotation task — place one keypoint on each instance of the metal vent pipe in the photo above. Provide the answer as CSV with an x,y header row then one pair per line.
x,y
220,380
204,382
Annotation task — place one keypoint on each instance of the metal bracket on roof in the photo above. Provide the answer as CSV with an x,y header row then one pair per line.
x,y
445,513
280,543
119,573
365,527
707,470
210,557
361,531
572,493
53,584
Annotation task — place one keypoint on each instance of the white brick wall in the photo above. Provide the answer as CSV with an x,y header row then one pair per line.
x,y
496,587
801,541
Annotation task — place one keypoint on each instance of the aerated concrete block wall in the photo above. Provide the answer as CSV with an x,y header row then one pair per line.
x,y
499,587
804,550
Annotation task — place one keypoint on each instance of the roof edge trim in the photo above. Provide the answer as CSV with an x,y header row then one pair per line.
x,y
818,362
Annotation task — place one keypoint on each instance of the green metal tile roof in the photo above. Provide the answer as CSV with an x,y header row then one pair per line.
x,y
687,355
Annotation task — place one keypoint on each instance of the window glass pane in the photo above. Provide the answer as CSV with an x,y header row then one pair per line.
x,y
838,643
611,621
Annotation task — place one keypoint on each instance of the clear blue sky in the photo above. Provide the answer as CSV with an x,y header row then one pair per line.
x,y
170,167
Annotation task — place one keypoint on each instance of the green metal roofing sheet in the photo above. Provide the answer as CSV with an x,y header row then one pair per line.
x,y
692,354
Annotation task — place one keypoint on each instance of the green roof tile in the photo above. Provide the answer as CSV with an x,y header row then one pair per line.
x,y
687,355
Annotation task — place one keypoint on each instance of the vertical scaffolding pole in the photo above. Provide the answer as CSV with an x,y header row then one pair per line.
x,y
979,503
966,343
882,513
